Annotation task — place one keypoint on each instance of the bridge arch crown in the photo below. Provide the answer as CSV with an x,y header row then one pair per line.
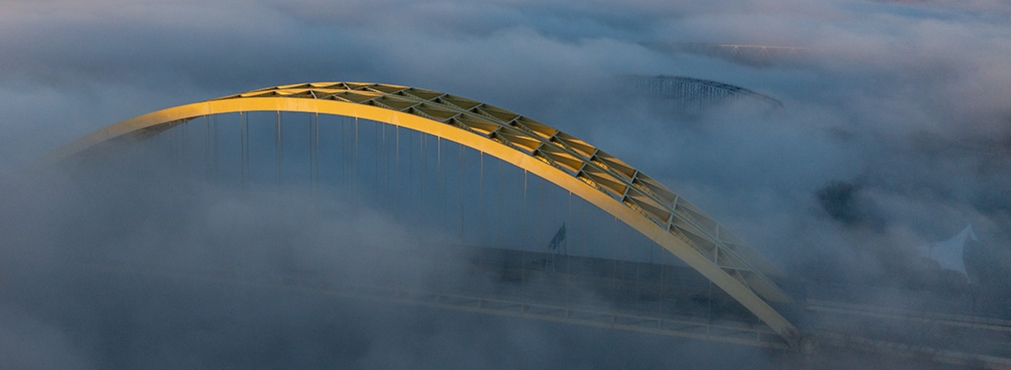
x,y
573,164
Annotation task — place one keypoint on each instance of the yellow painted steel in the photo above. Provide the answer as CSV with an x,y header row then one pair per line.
x,y
570,163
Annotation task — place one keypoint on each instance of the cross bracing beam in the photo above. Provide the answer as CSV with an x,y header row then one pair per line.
x,y
575,165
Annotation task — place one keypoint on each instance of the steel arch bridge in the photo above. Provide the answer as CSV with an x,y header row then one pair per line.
x,y
575,165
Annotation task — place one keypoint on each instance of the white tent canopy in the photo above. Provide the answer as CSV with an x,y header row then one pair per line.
x,y
949,253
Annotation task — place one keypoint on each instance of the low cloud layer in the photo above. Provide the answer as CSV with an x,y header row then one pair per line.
x,y
895,130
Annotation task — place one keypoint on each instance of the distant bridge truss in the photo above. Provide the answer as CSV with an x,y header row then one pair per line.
x,y
693,96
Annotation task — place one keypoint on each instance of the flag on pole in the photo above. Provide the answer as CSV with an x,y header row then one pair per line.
x,y
558,239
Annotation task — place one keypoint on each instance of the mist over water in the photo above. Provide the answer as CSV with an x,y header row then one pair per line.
x,y
895,135
170,270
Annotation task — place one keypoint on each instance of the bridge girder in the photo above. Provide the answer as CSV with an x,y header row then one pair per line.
x,y
575,165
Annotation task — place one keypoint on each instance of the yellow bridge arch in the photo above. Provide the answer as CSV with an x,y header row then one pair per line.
x,y
589,173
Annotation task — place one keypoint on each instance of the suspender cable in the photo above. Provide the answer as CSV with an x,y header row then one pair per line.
x,y
345,154
207,146
526,214
396,163
410,165
480,198
568,219
386,156
181,156
424,161
242,147
312,158
540,206
342,144
278,146
375,160
500,212
462,234
246,154
316,163
354,167
614,260
438,179
214,122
